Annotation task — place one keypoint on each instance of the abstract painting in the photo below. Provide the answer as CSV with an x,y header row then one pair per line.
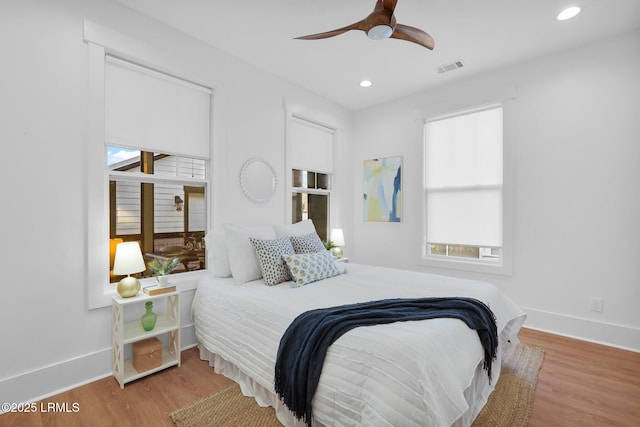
x,y
382,196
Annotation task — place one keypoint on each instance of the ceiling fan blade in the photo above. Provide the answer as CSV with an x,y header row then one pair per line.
x,y
415,35
356,26
389,4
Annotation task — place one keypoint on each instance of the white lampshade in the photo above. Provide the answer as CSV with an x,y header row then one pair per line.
x,y
337,237
128,259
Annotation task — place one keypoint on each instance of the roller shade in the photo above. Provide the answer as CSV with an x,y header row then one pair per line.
x,y
463,179
311,146
155,112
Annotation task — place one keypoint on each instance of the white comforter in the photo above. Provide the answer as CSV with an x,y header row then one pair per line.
x,y
419,373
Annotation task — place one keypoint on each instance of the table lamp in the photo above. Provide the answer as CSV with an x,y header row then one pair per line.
x,y
128,261
337,238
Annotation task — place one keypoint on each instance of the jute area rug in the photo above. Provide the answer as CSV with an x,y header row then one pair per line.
x,y
509,405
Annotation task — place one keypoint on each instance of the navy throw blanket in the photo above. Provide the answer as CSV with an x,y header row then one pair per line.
x,y
304,345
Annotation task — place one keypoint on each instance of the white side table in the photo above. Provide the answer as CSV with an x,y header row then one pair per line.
x,y
127,333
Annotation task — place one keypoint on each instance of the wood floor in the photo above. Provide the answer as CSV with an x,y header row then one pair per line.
x,y
584,384
580,384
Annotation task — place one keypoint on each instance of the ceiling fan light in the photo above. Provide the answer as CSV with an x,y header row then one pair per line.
x,y
380,32
568,13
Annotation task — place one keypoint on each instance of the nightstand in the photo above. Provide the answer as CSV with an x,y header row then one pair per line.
x,y
343,259
126,333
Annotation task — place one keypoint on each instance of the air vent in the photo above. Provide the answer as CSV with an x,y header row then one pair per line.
x,y
450,67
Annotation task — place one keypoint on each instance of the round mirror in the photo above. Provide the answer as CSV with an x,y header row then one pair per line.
x,y
258,180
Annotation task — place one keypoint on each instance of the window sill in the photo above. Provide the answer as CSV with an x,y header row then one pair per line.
x,y
184,282
499,268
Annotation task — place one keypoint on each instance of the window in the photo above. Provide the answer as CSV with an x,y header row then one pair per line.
x,y
147,162
463,187
310,199
157,200
310,159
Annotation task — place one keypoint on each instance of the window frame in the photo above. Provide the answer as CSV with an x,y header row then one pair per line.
x,y
504,266
291,115
101,41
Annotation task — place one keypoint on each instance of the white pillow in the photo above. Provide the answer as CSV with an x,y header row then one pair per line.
x,y
242,257
217,253
298,229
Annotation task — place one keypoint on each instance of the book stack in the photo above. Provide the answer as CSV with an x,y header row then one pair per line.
x,y
156,290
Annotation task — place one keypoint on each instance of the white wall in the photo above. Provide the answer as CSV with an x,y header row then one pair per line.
x,y
50,339
576,161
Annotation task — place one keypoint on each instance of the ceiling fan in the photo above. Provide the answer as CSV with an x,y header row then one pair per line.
x,y
381,24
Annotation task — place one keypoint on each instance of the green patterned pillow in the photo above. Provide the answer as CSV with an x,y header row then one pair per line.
x,y
307,268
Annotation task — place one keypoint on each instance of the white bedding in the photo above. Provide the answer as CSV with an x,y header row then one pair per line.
x,y
418,373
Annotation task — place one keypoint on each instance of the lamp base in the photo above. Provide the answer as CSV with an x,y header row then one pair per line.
x,y
128,287
336,252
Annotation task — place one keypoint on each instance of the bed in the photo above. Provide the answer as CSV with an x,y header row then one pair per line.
x,y
417,373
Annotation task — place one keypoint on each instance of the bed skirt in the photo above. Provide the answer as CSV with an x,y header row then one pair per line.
x,y
478,391
250,388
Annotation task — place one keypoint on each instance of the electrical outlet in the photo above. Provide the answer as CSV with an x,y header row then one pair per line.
x,y
596,304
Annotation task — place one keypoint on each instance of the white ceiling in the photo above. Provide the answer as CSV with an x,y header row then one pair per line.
x,y
484,34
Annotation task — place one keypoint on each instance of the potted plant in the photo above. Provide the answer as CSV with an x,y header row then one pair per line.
x,y
161,268
328,245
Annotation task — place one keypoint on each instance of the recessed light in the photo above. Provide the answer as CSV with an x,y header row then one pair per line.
x,y
365,83
568,13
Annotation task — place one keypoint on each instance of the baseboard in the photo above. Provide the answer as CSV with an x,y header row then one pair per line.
x,y
613,335
50,380
57,378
